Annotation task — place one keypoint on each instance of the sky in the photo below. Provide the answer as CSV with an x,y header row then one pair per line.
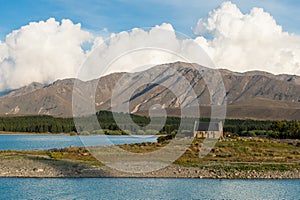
x,y
239,35
122,15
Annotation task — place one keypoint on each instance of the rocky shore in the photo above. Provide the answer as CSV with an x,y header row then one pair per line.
x,y
42,166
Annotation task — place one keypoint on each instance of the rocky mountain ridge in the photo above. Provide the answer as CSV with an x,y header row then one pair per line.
x,y
255,94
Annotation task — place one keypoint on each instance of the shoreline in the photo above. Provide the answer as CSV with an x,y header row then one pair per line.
x,y
25,166
230,159
69,134
31,133
288,175
220,179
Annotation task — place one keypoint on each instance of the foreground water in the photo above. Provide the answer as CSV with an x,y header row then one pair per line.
x,y
40,142
127,188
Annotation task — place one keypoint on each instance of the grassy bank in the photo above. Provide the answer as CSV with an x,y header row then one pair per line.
x,y
241,154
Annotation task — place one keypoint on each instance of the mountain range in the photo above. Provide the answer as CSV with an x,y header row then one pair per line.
x,y
173,86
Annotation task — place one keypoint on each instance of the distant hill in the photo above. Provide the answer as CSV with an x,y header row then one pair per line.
x,y
252,95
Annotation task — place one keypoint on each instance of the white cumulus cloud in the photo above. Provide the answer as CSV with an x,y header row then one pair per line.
x,y
138,49
48,50
253,41
41,51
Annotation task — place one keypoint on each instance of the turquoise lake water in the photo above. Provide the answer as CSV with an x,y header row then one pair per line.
x,y
39,142
128,188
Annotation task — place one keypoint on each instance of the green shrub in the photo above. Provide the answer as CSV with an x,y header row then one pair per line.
x,y
84,133
56,155
98,132
166,138
273,134
126,132
141,132
251,133
113,132
151,132
73,133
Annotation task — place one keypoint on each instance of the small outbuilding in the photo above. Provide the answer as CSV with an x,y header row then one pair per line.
x,y
208,129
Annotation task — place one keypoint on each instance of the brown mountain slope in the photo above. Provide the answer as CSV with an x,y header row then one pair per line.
x,y
256,95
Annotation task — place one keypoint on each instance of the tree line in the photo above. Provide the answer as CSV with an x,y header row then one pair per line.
x,y
126,123
285,129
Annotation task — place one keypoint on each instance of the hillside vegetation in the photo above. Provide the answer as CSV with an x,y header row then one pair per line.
x,y
232,127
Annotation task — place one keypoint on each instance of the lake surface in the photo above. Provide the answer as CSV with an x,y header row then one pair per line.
x,y
40,142
129,188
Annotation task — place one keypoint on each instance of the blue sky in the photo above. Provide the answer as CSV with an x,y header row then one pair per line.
x,y
120,15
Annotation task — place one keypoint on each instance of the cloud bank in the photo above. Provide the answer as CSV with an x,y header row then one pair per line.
x,y
49,50
139,49
252,41
41,52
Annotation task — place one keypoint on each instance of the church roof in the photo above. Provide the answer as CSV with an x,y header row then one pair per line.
x,y
207,126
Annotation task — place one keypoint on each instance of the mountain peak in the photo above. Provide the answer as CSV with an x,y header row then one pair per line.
x,y
25,90
256,94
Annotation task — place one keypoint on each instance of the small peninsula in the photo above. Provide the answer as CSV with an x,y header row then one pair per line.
x,y
232,158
